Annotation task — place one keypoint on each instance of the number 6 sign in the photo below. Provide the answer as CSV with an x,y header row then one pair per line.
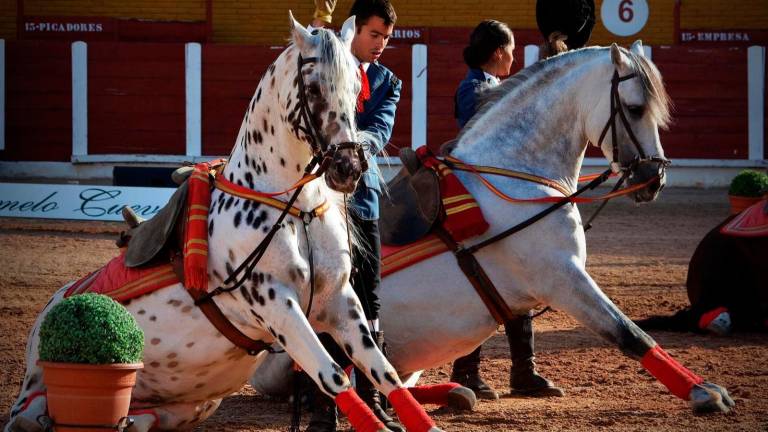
x,y
624,17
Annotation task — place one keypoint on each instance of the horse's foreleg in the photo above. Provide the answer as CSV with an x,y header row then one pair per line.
x,y
352,334
588,304
282,316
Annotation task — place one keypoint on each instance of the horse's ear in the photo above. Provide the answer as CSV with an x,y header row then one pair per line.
x,y
299,34
347,32
637,48
616,56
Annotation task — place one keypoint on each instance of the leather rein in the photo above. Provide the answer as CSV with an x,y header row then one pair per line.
x,y
465,257
323,155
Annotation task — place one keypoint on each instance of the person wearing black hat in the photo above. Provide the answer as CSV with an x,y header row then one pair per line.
x,y
564,24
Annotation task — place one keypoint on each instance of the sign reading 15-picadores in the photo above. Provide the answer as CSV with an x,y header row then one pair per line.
x,y
624,17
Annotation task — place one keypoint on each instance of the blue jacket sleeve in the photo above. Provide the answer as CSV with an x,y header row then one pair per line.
x,y
466,101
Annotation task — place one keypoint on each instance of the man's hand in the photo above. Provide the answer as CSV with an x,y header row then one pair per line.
x,y
323,12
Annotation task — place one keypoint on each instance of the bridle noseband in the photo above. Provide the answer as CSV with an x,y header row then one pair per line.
x,y
322,151
618,110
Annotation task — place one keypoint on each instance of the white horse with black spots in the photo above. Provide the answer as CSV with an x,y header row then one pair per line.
x,y
189,366
539,122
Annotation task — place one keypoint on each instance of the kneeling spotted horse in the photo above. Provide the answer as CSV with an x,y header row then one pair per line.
x,y
537,122
298,117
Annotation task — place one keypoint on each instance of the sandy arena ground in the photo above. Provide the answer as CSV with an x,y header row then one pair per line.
x,y
637,254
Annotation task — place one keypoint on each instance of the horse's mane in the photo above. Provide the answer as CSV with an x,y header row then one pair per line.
x,y
333,53
653,87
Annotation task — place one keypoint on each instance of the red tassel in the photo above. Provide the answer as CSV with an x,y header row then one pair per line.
x,y
196,234
413,416
676,377
360,416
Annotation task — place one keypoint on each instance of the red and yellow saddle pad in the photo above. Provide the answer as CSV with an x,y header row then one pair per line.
x,y
123,283
752,222
394,258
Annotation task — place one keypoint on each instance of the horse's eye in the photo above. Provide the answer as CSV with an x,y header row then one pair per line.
x,y
636,111
314,90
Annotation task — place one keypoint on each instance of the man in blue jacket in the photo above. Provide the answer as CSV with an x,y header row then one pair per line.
x,y
376,105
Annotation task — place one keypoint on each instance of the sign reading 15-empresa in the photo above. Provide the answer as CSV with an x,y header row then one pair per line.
x,y
104,203
624,17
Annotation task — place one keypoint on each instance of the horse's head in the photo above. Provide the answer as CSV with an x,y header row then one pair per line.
x,y
324,112
636,107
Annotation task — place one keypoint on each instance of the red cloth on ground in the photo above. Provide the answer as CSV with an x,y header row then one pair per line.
x,y
752,222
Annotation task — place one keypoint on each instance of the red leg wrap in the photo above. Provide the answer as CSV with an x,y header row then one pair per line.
x,y
410,413
358,413
709,316
433,394
676,377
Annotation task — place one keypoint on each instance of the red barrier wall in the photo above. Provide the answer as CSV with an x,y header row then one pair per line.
x,y
709,89
38,101
136,97
231,74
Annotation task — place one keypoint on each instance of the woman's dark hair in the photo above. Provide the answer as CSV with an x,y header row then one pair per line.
x,y
364,9
485,39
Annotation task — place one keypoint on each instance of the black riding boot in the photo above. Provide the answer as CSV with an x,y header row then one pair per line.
x,y
371,396
466,371
523,378
324,415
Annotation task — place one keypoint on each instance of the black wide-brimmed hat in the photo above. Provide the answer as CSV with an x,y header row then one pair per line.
x,y
573,18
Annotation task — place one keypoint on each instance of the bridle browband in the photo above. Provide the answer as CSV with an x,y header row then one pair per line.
x,y
317,141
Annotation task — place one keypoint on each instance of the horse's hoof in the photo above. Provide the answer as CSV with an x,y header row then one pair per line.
x,y
462,398
21,424
710,398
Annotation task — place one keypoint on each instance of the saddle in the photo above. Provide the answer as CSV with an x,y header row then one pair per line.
x,y
413,204
163,232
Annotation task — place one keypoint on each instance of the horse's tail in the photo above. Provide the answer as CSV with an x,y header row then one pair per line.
x,y
681,321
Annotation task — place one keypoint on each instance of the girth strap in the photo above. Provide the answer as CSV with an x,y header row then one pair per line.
x,y
483,285
216,316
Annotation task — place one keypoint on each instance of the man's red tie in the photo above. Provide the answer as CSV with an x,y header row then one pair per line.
x,y
365,89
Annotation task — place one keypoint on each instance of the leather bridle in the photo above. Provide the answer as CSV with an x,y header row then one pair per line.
x,y
464,254
617,110
323,155
317,141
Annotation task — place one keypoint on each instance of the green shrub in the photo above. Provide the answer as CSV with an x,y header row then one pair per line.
x,y
749,183
93,329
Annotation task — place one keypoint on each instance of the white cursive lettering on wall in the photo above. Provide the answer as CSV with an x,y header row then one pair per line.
x,y
79,202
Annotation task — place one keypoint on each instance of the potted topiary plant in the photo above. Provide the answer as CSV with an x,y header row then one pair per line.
x,y
90,349
747,188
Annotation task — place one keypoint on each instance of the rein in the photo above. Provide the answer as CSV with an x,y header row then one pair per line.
x,y
465,257
323,156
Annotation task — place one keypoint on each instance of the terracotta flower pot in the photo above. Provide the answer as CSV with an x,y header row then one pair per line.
x,y
83,394
739,203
